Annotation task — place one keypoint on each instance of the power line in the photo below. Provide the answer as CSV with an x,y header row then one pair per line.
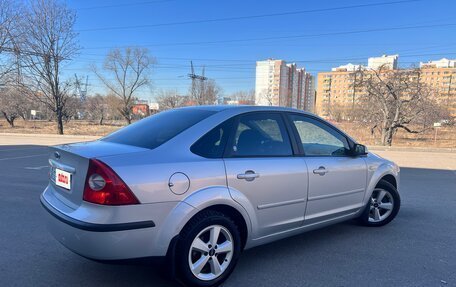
x,y
226,19
397,28
125,5
317,61
252,61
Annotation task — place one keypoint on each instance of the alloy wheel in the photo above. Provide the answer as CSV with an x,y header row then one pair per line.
x,y
211,252
381,205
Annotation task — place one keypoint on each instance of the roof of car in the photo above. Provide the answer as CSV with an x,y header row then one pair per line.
x,y
219,108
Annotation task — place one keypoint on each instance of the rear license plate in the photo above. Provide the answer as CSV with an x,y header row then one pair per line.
x,y
63,178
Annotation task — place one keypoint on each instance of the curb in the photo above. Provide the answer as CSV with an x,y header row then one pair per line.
x,y
51,136
411,149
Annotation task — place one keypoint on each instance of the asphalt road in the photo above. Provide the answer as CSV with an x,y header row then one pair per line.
x,y
416,249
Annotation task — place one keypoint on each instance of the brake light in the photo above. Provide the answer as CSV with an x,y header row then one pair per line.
x,y
104,186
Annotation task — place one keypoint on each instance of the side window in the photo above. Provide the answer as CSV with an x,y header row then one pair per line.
x,y
260,134
319,139
212,144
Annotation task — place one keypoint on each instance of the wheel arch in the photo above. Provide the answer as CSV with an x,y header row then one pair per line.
x,y
386,172
232,213
390,179
212,198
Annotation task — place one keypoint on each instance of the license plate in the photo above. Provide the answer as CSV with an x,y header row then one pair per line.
x,y
63,178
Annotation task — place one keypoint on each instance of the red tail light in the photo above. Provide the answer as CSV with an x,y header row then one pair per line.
x,y
104,186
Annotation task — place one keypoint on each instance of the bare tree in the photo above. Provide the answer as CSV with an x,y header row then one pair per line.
x,y
13,104
9,106
130,71
265,98
48,41
97,108
205,92
9,18
392,100
170,99
244,97
212,92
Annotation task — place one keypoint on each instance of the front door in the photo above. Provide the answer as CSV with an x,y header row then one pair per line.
x,y
337,180
260,164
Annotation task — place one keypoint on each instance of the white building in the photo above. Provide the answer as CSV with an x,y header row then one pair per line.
x,y
281,84
442,63
271,82
387,61
348,68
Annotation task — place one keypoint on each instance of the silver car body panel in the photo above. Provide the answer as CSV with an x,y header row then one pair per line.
x,y
286,199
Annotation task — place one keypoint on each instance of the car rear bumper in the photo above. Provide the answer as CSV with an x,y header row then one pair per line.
x,y
106,233
95,227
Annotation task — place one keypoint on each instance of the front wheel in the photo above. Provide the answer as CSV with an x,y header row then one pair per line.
x,y
383,205
208,249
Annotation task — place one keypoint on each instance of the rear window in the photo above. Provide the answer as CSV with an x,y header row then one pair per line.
x,y
155,130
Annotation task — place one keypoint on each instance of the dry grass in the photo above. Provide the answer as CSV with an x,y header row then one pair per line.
x,y
446,136
70,128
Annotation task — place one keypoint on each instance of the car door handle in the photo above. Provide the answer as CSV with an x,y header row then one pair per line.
x,y
321,170
249,175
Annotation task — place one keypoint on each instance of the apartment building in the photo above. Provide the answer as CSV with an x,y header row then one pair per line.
x,y
440,75
271,84
442,63
283,84
335,88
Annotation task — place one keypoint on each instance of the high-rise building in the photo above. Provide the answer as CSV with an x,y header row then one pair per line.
x,y
282,84
271,83
335,89
386,61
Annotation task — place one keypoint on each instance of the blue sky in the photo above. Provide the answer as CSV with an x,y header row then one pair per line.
x,y
417,31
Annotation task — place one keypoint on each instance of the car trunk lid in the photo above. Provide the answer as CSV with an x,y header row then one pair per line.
x,y
69,164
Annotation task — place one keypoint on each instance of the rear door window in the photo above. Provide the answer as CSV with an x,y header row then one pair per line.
x,y
260,135
212,144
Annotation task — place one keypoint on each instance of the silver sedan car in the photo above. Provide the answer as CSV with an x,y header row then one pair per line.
x,y
198,185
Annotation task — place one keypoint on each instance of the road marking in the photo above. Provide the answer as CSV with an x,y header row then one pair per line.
x,y
15,149
36,167
19,157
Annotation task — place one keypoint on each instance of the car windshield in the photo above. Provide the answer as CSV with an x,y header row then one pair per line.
x,y
155,130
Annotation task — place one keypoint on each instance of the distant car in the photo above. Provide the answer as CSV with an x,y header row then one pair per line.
x,y
201,184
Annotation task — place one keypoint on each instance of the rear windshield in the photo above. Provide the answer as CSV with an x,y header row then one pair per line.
x,y
155,130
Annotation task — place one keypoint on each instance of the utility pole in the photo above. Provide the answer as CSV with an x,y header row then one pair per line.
x,y
80,88
196,79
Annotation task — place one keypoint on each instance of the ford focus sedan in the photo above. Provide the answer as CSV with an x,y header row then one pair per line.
x,y
200,184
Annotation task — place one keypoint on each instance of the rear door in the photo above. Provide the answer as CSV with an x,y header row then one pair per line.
x,y
337,180
260,164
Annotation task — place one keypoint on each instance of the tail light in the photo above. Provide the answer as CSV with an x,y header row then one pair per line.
x,y
104,186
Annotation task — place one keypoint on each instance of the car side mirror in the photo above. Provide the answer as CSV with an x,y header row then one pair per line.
x,y
359,149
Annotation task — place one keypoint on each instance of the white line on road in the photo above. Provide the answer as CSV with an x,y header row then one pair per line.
x,y
19,157
15,149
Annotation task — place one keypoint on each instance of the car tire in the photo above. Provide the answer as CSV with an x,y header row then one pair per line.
x,y
382,207
202,259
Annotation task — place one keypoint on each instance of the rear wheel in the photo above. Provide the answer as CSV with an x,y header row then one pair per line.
x,y
383,205
208,249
